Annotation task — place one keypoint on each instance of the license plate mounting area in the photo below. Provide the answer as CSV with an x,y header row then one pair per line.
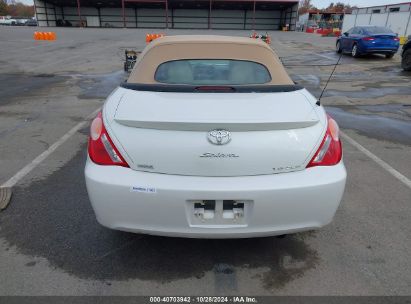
x,y
218,213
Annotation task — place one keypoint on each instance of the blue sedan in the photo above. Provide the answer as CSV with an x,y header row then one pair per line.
x,y
368,39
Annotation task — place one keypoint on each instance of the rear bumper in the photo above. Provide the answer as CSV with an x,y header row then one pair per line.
x,y
380,50
160,204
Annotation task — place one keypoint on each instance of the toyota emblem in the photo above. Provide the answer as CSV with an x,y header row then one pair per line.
x,y
219,137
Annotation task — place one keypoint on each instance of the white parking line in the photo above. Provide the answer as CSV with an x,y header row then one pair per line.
x,y
378,160
35,162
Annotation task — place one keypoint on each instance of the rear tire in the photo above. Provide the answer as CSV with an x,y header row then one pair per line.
x,y
406,60
389,56
338,47
354,51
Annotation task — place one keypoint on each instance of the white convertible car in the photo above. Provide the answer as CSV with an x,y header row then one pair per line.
x,y
210,138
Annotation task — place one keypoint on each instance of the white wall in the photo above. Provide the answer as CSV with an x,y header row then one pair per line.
x,y
398,22
349,22
378,19
363,19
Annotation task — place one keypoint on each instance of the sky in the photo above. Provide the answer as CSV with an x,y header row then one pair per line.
x,y
322,3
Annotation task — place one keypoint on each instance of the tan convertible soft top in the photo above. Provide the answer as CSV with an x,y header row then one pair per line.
x,y
170,48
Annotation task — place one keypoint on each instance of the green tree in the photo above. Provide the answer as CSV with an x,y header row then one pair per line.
x,y
305,6
3,8
20,10
339,7
330,6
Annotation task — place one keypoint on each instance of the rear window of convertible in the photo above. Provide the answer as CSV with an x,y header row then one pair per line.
x,y
212,72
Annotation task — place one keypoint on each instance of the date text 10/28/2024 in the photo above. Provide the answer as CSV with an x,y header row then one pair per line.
x,y
205,299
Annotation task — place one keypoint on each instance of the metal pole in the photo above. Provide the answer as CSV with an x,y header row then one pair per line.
x,y
209,16
79,13
388,15
245,20
135,14
166,14
35,12
46,10
123,11
356,16
55,15
253,15
99,16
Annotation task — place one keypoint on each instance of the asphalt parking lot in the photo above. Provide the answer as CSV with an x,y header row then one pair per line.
x,y
51,244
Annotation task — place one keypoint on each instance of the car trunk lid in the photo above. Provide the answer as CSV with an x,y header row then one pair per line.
x,y
384,39
167,132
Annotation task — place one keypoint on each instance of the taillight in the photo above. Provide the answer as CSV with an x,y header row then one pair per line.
x,y
396,39
368,39
330,151
101,149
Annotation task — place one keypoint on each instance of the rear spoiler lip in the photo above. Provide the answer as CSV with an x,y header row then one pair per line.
x,y
182,88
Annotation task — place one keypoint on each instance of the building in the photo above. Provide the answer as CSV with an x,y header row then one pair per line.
x,y
397,17
322,19
182,14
